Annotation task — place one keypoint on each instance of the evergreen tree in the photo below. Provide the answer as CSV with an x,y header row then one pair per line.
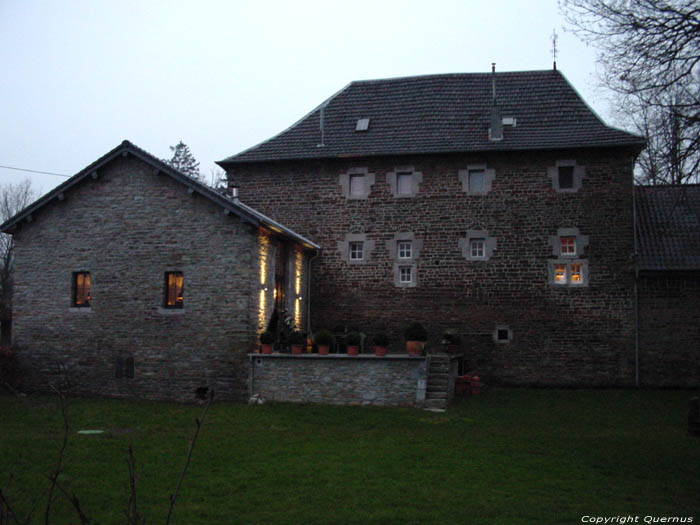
x,y
183,161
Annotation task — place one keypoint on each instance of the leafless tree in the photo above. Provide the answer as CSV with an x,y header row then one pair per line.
x,y
13,199
649,53
217,179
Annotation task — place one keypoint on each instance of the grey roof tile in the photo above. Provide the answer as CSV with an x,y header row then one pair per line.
x,y
443,113
668,227
238,208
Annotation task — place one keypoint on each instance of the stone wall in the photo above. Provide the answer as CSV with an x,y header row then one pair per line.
x,y
127,228
669,329
338,379
558,335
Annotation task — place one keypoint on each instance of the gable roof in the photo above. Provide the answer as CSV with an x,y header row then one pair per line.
x,y
668,227
440,114
246,213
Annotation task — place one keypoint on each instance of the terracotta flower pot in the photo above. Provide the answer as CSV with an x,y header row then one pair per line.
x,y
323,349
380,351
296,349
353,350
266,349
414,347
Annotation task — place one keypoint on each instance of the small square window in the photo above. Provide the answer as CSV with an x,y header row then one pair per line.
x,y
405,250
477,248
405,274
404,183
576,273
568,245
560,273
356,251
81,289
502,334
357,185
566,177
477,181
174,289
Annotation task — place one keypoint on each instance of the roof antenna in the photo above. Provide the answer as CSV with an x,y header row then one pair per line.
x,y
496,129
493,82
554,38
320,122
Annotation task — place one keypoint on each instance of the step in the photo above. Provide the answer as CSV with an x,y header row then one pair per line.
x,y
436,395
435,403
436,387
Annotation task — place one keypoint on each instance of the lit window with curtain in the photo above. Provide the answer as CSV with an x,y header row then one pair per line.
x,y
174,289
81,290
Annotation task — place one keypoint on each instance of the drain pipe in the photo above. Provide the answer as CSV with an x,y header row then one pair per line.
x,y
635,257
308,291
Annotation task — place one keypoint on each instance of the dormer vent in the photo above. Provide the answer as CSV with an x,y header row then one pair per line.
x,y
362,124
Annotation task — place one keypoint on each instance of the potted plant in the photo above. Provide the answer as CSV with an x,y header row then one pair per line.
x,y
416,336
452,340
323,340
381,341
296,341
267,338
353,341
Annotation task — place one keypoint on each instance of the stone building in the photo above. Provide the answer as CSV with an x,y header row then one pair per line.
x,y
132,279
668,284
496,205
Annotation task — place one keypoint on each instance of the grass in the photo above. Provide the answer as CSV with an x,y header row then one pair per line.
x,y
507,456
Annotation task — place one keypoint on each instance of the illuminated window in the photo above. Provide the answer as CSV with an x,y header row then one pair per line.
x,y
174,288
404,183
357,185
356,251
576,273
560,273
568,245
477,181
81,289
405,274
477,248
405,250
566,177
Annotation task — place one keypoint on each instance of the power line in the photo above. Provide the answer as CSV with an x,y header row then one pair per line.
x,y
35,171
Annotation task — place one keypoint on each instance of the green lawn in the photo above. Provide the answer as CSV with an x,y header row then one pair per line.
x,y
507,456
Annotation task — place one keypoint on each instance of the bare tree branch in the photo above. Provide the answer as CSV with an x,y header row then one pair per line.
x,y
649,51
199,422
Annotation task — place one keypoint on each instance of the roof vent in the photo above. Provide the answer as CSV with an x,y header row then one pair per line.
x,y
362,124
509,121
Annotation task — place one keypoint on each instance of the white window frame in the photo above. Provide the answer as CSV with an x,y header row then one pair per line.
x,y
404,249
477,171
356,254
568,275
477,248
356,184
568,245
407,186
403,271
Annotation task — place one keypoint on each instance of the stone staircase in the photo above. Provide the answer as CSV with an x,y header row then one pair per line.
x,y
437,382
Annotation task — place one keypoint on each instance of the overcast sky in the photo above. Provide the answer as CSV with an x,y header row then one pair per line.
x,y
78,77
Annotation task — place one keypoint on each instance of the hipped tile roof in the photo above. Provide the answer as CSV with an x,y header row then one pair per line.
x,y
440,114
668,227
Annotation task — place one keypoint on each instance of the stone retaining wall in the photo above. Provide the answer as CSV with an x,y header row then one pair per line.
x,y
393,380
